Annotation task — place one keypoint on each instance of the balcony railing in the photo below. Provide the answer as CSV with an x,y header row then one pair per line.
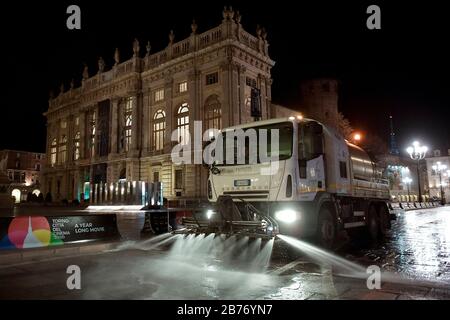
x,y
176,50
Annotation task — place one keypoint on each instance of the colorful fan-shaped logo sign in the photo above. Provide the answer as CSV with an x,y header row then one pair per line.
x,y
30,232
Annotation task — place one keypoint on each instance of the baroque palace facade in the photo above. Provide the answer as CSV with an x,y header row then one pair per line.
x,y
118,124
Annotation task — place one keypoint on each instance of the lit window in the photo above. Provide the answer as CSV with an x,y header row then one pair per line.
x,y
77,121
159,95
53,153
63,149
212,78
213,116
182,86
183,123
76,143
159,127
128,123
63,124
92,134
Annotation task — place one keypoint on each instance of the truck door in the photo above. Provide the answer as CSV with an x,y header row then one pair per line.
x,y
310,160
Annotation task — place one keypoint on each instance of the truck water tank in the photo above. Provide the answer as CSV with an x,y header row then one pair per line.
x,y
362,165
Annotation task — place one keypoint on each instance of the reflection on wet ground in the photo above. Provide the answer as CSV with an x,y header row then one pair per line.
x,y
417,247
172,267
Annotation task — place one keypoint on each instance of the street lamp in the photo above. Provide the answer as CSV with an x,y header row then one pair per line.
x,y
417,153
439,168
407,181
356,136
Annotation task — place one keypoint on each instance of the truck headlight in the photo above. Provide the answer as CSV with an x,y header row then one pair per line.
x,y
287,215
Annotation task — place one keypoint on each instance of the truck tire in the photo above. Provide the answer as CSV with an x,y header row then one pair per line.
x,y
385,221
326,229
373,225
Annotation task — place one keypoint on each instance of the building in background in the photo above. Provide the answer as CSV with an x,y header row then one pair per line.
x,y
24,172
439,180
319,100
118,125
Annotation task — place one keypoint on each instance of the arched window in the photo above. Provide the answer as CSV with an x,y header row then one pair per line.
x,y
213,113
63,149
159,128
183,123
76,144
53,153
123,174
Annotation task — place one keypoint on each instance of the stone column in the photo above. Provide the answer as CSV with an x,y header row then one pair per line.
x,y
146,123
170,114
82,128
135,123
241,106
58,139
234,93
264,105
227,114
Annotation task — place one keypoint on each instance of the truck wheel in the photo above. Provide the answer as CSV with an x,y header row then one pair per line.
x,y
326,229
373,225
385,221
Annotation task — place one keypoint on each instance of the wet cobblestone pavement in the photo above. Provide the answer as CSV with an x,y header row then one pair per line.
x,y
417,247
415,259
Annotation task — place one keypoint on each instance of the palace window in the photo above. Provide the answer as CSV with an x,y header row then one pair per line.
x,y
250,82
63,124
63,149
77,121
182,87
178,179
159,127
183,123
92,134
76,143
53,153
159,95
128,119
212,78
213,117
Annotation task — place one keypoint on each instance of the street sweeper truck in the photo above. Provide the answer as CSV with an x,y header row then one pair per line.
x,y
317,185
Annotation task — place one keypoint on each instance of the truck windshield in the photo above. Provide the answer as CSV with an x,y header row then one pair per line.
x,y
243,150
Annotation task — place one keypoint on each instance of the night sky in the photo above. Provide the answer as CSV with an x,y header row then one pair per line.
x,y
402,69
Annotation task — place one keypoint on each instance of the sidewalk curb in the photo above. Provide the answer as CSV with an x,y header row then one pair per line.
x,y
27,255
